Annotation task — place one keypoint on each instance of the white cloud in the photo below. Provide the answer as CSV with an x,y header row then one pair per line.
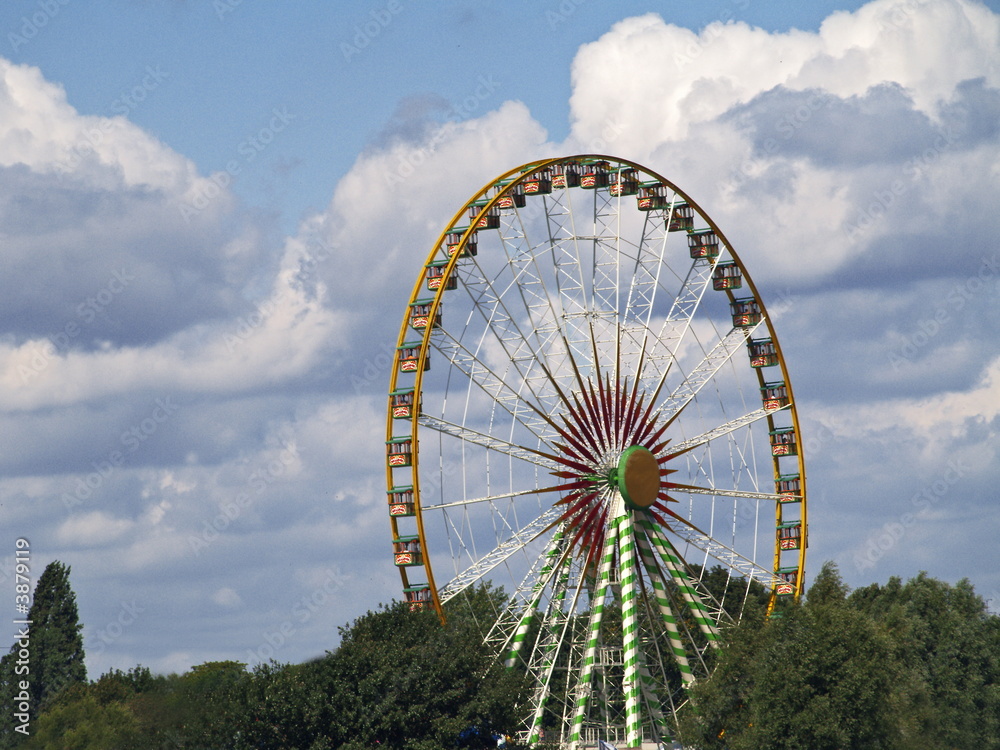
x,y
168,481
280,355
92,529
39,128
942,423
742,118
155,514
387,211
659,80
92,209
280,339
227,597
891,476
927,47
662,81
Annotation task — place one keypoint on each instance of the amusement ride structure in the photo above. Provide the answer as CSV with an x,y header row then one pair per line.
x,y
589,408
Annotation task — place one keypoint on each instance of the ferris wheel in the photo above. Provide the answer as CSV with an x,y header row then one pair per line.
x,y
589,407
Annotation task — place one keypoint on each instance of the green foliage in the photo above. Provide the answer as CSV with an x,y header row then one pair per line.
x,y
398,680
112,713
735,594
79,721
56,640
403,681
190,705
807,679
116,685
950,647
828,587
55,645
893,667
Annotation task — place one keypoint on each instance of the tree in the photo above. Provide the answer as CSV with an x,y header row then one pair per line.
x,y
828,587
950,647
822,676
101,716
54,645
77,720
274,706
400,680
194,707
894,666
56,639
116,685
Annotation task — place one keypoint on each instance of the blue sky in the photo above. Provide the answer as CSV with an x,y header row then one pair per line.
x,y
226,66
165,353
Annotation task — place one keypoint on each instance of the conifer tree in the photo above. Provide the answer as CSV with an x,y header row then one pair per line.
x,y
54,642
58,642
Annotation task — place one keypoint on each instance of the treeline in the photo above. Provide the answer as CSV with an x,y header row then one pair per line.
x,y
901,665
397,680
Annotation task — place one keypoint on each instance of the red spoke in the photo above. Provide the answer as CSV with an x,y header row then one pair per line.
x,y
632,417
605,415
601,417
573,452
584,412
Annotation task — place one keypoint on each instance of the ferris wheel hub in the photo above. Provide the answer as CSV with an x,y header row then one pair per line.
x,y
637,477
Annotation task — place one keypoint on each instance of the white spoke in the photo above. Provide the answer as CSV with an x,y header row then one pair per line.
x,y
480,374
489,499
705,370
733,493
488,442
721,431
677,323
725,555
505,549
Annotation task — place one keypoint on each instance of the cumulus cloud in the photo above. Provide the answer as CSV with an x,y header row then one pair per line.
x,y
97,245
42,131
943,425
817,117
661,81
387,212
827,144
227,597
91,529
241,386
276,340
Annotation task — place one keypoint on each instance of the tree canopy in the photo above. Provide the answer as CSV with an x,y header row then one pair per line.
x,y
892,666
53,647
397,680
882,667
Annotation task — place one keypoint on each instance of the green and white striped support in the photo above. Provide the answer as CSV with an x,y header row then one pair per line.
x,y
551,651
666,613
630,630
673,563
529,613
652,699
584,687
